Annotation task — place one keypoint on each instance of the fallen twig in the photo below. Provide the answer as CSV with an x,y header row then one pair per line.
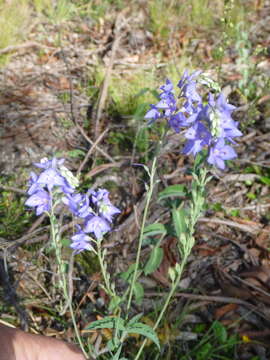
x,y
90,151
26,45
253,229
222,299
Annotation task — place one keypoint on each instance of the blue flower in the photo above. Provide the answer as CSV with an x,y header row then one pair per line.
x,y
220,152
40,200
167,104
33,185
167,87
80,241
105,208
208,124
222,122
188,78
188,85
50,178
177,121
97,225
198,137
152,115
78,204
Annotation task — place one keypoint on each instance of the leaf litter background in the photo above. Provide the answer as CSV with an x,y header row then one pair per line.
x,y
56,97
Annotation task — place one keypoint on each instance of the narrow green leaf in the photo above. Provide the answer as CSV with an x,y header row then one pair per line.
x,y
76,153
127,275
179,222
115,301
154,229
172,191
154,260
107,323
265,180
117,354
138,292
220,332
135,319
199,159
145,330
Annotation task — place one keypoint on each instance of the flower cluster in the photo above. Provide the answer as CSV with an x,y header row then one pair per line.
x,y
206,124
57,182
96,212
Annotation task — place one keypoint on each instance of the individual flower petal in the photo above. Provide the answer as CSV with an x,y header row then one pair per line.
x,y
193,147
152,115
33,185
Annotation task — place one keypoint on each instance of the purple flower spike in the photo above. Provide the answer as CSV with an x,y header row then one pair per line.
x,y
40,200
220,152
96,225
207,124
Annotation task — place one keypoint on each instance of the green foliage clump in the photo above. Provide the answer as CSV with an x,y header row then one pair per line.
x,y
14,218
14,19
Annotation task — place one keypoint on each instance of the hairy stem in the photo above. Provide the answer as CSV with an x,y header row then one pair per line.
x,y
185,242
62,278
148,199
103,270
166,304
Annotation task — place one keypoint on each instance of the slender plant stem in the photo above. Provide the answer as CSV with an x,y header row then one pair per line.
x,y
198,200
166,304
57,247
103,270
63,282
149,195
76,328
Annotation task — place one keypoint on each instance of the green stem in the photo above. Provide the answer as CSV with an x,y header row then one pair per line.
x,y
166,304
62,281
57,246
198,200
148,198
76,328
103,270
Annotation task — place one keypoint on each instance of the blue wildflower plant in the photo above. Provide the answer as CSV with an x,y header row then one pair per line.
x,y
206,124
55,184
93,212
